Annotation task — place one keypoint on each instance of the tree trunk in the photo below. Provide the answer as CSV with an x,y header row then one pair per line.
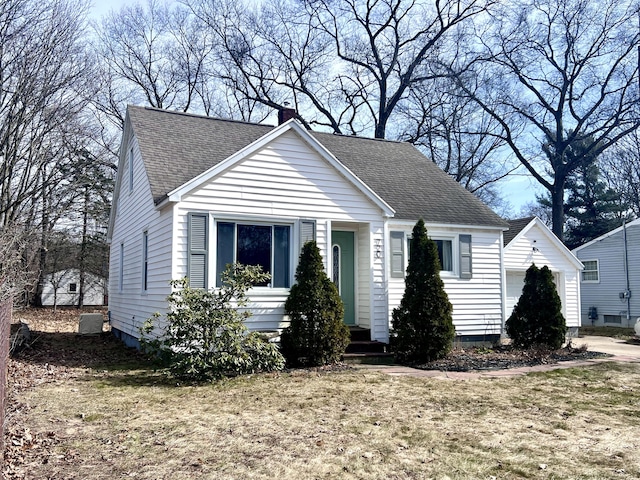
x,y
83,247
557,208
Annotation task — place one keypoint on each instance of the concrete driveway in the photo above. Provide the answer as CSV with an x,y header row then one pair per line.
x,y
612,346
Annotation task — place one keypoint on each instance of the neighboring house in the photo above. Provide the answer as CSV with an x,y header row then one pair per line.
x,y
529,241
611,277
62,288
195,193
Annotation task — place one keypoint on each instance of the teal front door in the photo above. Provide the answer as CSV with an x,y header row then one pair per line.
x,y
343,271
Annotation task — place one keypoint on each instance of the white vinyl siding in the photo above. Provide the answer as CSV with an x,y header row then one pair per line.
x,y
477,302
288,183
535,246
130,306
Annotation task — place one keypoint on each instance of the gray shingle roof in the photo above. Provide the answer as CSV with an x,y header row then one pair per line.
x,y
177,147
515,227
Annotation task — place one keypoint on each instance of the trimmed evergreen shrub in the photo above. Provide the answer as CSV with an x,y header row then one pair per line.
x,y
317,334
204,336
422,324
537,318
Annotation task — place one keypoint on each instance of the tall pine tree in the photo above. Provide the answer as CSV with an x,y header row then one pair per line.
x,y
422,323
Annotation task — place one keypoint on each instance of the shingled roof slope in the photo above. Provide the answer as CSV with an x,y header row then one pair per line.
x,y
515,227
177,147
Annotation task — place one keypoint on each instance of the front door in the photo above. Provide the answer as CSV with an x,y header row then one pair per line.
x,y
343,262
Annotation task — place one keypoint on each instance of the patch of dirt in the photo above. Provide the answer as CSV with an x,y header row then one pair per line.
x,y
504,357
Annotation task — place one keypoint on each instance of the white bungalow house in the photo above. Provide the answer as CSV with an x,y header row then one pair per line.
x,y
529,241
195,193
610,280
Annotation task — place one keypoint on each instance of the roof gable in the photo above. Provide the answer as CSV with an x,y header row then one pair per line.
x,y
178,149
522,226
291,125
632,224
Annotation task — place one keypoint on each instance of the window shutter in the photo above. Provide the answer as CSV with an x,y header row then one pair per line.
x,y
197,242
466,264
397,254
307,231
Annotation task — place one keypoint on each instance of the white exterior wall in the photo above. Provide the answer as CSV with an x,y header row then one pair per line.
x,y
129,304
94,294
284,182
477,302
520,254
605,293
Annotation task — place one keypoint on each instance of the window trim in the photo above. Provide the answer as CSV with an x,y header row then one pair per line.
x,y
584,270
292,253
454,264
74,289
457,255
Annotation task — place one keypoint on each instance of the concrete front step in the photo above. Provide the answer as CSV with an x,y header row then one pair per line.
x,y
371,358
366,346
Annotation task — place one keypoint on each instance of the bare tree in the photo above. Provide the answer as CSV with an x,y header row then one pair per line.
x,y
42,82
555,74
156,55
349,63
449,128
621,170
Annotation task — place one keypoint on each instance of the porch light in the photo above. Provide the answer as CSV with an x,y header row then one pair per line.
x,y
378,247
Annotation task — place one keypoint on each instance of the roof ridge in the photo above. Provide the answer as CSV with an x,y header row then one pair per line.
x,y
200,116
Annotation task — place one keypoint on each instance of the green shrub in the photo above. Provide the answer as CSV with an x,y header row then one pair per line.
x,y
537,317
317,334
422,324
205,338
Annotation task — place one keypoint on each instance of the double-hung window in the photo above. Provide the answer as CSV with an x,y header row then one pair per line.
x,y
249,243
445,254
590,272
455,258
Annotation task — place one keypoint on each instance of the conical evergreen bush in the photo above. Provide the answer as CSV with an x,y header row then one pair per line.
x,y
537,318
422,324
316,334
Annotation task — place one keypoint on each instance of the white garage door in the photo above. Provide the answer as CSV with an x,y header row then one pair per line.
x,y
515,282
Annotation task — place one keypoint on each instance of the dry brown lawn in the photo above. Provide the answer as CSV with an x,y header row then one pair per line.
x,y
99,411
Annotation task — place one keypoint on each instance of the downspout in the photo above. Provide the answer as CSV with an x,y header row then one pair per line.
x,y
627,292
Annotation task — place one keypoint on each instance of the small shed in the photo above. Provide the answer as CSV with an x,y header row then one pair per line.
x,y
62,288
529,241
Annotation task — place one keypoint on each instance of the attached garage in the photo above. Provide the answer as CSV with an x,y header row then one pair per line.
x,y
529,241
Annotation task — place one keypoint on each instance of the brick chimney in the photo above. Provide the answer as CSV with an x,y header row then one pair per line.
x,y
285,114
